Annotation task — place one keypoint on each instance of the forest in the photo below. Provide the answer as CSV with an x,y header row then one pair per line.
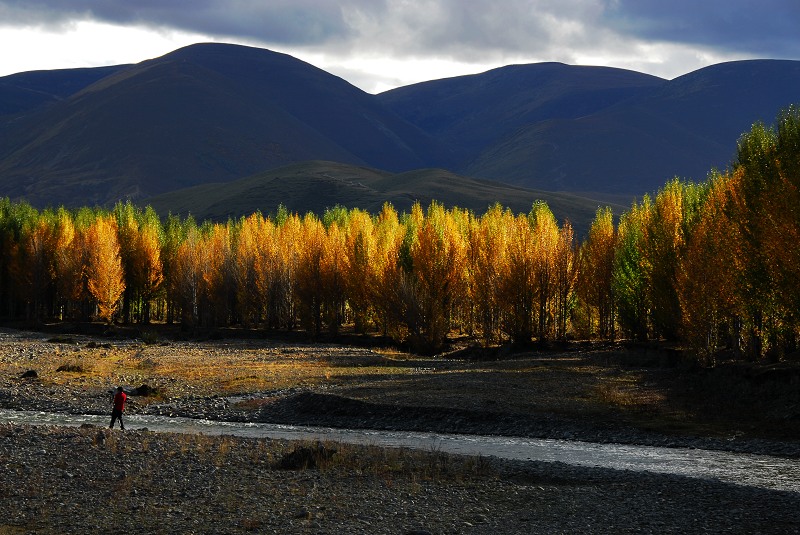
x,y
714,266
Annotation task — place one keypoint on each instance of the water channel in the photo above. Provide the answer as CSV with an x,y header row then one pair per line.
x,y
763,471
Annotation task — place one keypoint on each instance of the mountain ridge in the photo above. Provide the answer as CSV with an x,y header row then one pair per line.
x,y
318,185
217,113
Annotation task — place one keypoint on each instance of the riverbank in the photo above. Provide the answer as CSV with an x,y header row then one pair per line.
x,y
83,480
594,393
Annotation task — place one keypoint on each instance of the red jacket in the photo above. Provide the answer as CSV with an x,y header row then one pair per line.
x,y
119,401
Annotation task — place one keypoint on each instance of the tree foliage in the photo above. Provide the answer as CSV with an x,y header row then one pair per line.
x,y
714,266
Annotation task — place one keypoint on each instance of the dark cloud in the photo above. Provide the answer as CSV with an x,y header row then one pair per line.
x,y
765,27
463,29
469,31
278,21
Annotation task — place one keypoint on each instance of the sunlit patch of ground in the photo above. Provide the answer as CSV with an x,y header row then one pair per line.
x,y
586,382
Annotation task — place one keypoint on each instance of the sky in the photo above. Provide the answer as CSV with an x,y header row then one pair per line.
x,y
380,44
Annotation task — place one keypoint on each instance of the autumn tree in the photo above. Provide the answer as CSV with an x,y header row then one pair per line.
x,y
595,283
248,268
282,307
360,252
334,274
104,271
176,232
487,244
185,277
767,164
783,232
34,263
565,273
672,214
390,265
216,275
706,278
140,234
438,268
517,284
309,282
70,261
545,239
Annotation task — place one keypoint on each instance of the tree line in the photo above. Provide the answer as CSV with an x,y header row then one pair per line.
x,y
713,265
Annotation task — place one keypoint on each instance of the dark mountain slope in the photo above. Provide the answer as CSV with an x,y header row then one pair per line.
x,y
684,128
28,90
215,113
474,111
315,186
555,127
201,114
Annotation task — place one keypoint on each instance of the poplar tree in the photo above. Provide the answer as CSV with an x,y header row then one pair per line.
x,y
104,271
629,282
595,282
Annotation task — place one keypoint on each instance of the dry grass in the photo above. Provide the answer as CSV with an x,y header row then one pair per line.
x,y
560,382
582,381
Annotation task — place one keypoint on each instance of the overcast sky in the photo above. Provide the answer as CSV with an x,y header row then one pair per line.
x,y
380,44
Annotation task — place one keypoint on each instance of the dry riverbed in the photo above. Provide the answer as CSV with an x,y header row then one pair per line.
x,y
84,480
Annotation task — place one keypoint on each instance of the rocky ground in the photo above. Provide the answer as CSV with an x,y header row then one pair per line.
x,y
69,480
87,480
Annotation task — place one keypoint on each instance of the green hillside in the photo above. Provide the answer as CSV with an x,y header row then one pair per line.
x,y
315,186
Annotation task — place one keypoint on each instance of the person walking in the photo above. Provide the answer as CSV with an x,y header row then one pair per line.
x,y
119,407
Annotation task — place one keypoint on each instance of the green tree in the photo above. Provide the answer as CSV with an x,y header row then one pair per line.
x,y
629,281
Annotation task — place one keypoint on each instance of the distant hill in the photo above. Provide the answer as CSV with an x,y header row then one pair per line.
x,y
559,127
26,91
316,186
216,113
204,113
476,111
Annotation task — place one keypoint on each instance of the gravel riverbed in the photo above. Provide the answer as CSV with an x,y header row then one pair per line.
x,y
90,479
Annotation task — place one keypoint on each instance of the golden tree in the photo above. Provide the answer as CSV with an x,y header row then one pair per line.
x,y
706,281
438,272
186,276
596,273
104,272
70,262
517,287
565,272
309,281
147,270
663,244
216,284
545,239
334,274
388,274
34,265
487,244
175,233
282,307
360,265
629,280
249,299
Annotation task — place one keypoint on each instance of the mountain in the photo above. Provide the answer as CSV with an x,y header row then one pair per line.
x,y
216,113
559,127
25,91
317,185
475,111
204,113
